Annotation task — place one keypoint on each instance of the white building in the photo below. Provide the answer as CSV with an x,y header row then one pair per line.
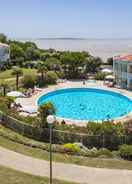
x,y
122,67
4,53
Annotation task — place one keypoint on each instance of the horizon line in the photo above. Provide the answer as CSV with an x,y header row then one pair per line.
x,y
70,38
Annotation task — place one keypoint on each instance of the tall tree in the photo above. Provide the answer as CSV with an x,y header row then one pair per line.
x,y
110,61
4,85
53,64
42,69
17,54
73,61
93,64
17,72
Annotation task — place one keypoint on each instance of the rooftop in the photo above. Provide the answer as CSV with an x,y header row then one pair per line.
x,y
124,58
3,45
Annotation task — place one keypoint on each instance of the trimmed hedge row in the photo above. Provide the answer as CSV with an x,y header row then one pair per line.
x,y
62,137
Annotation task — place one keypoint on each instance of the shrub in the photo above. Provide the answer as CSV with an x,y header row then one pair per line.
x,y
116,154
29,80
51,77
105,152
5,103
45,110
126,151
100,76
92,152
71,148
106,128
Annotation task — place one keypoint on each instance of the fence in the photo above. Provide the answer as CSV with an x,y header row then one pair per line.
x,y
61,137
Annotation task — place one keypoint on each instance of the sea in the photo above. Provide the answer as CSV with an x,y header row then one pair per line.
x,y
103,48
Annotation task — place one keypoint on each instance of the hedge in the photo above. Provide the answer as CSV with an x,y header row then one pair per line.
x,y
126,151
62,137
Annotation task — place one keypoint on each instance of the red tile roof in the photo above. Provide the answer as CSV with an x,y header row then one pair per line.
x,y
123,58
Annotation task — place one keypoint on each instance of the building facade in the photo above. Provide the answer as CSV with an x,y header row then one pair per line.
x,y
122,67
4,53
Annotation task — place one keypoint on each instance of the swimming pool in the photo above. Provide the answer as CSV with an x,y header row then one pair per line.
x,y
87,104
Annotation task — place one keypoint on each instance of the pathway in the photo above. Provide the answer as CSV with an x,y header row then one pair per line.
x,y
68,172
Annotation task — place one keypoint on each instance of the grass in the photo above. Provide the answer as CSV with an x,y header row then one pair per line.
x,y
10,176
59,157
8,73
10,79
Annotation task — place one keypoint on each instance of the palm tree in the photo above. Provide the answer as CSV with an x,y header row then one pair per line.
x,y
17,72
42,69
4,85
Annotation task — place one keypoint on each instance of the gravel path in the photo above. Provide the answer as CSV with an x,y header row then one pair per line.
x,y
68,172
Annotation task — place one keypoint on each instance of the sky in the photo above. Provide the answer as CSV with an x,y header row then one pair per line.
x,y
66,18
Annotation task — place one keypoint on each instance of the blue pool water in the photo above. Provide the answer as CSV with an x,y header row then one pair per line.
x,y
87,104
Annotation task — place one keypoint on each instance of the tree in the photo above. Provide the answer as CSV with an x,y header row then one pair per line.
x,y
32,54
100,76
17,54
93,64
42,69
5,86
45,110
51,77
19,61
5,103
17,72
29,80
3,38
30,44
29,53
53,64
36,54
44,56
110,61
72,62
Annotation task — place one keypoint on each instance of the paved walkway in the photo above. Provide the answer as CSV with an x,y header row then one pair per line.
x,y
68,172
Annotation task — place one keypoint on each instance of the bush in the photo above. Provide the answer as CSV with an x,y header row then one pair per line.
x,y
51,77
105,152
126,151
92,152
5,103
29,80
71,148
106,128
45,110
100,76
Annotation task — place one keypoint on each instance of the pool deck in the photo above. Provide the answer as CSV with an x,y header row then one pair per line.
x,y
31,101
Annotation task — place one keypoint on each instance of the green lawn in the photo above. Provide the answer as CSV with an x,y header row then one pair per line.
x,y
10,176
65,158
10,79
8,73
